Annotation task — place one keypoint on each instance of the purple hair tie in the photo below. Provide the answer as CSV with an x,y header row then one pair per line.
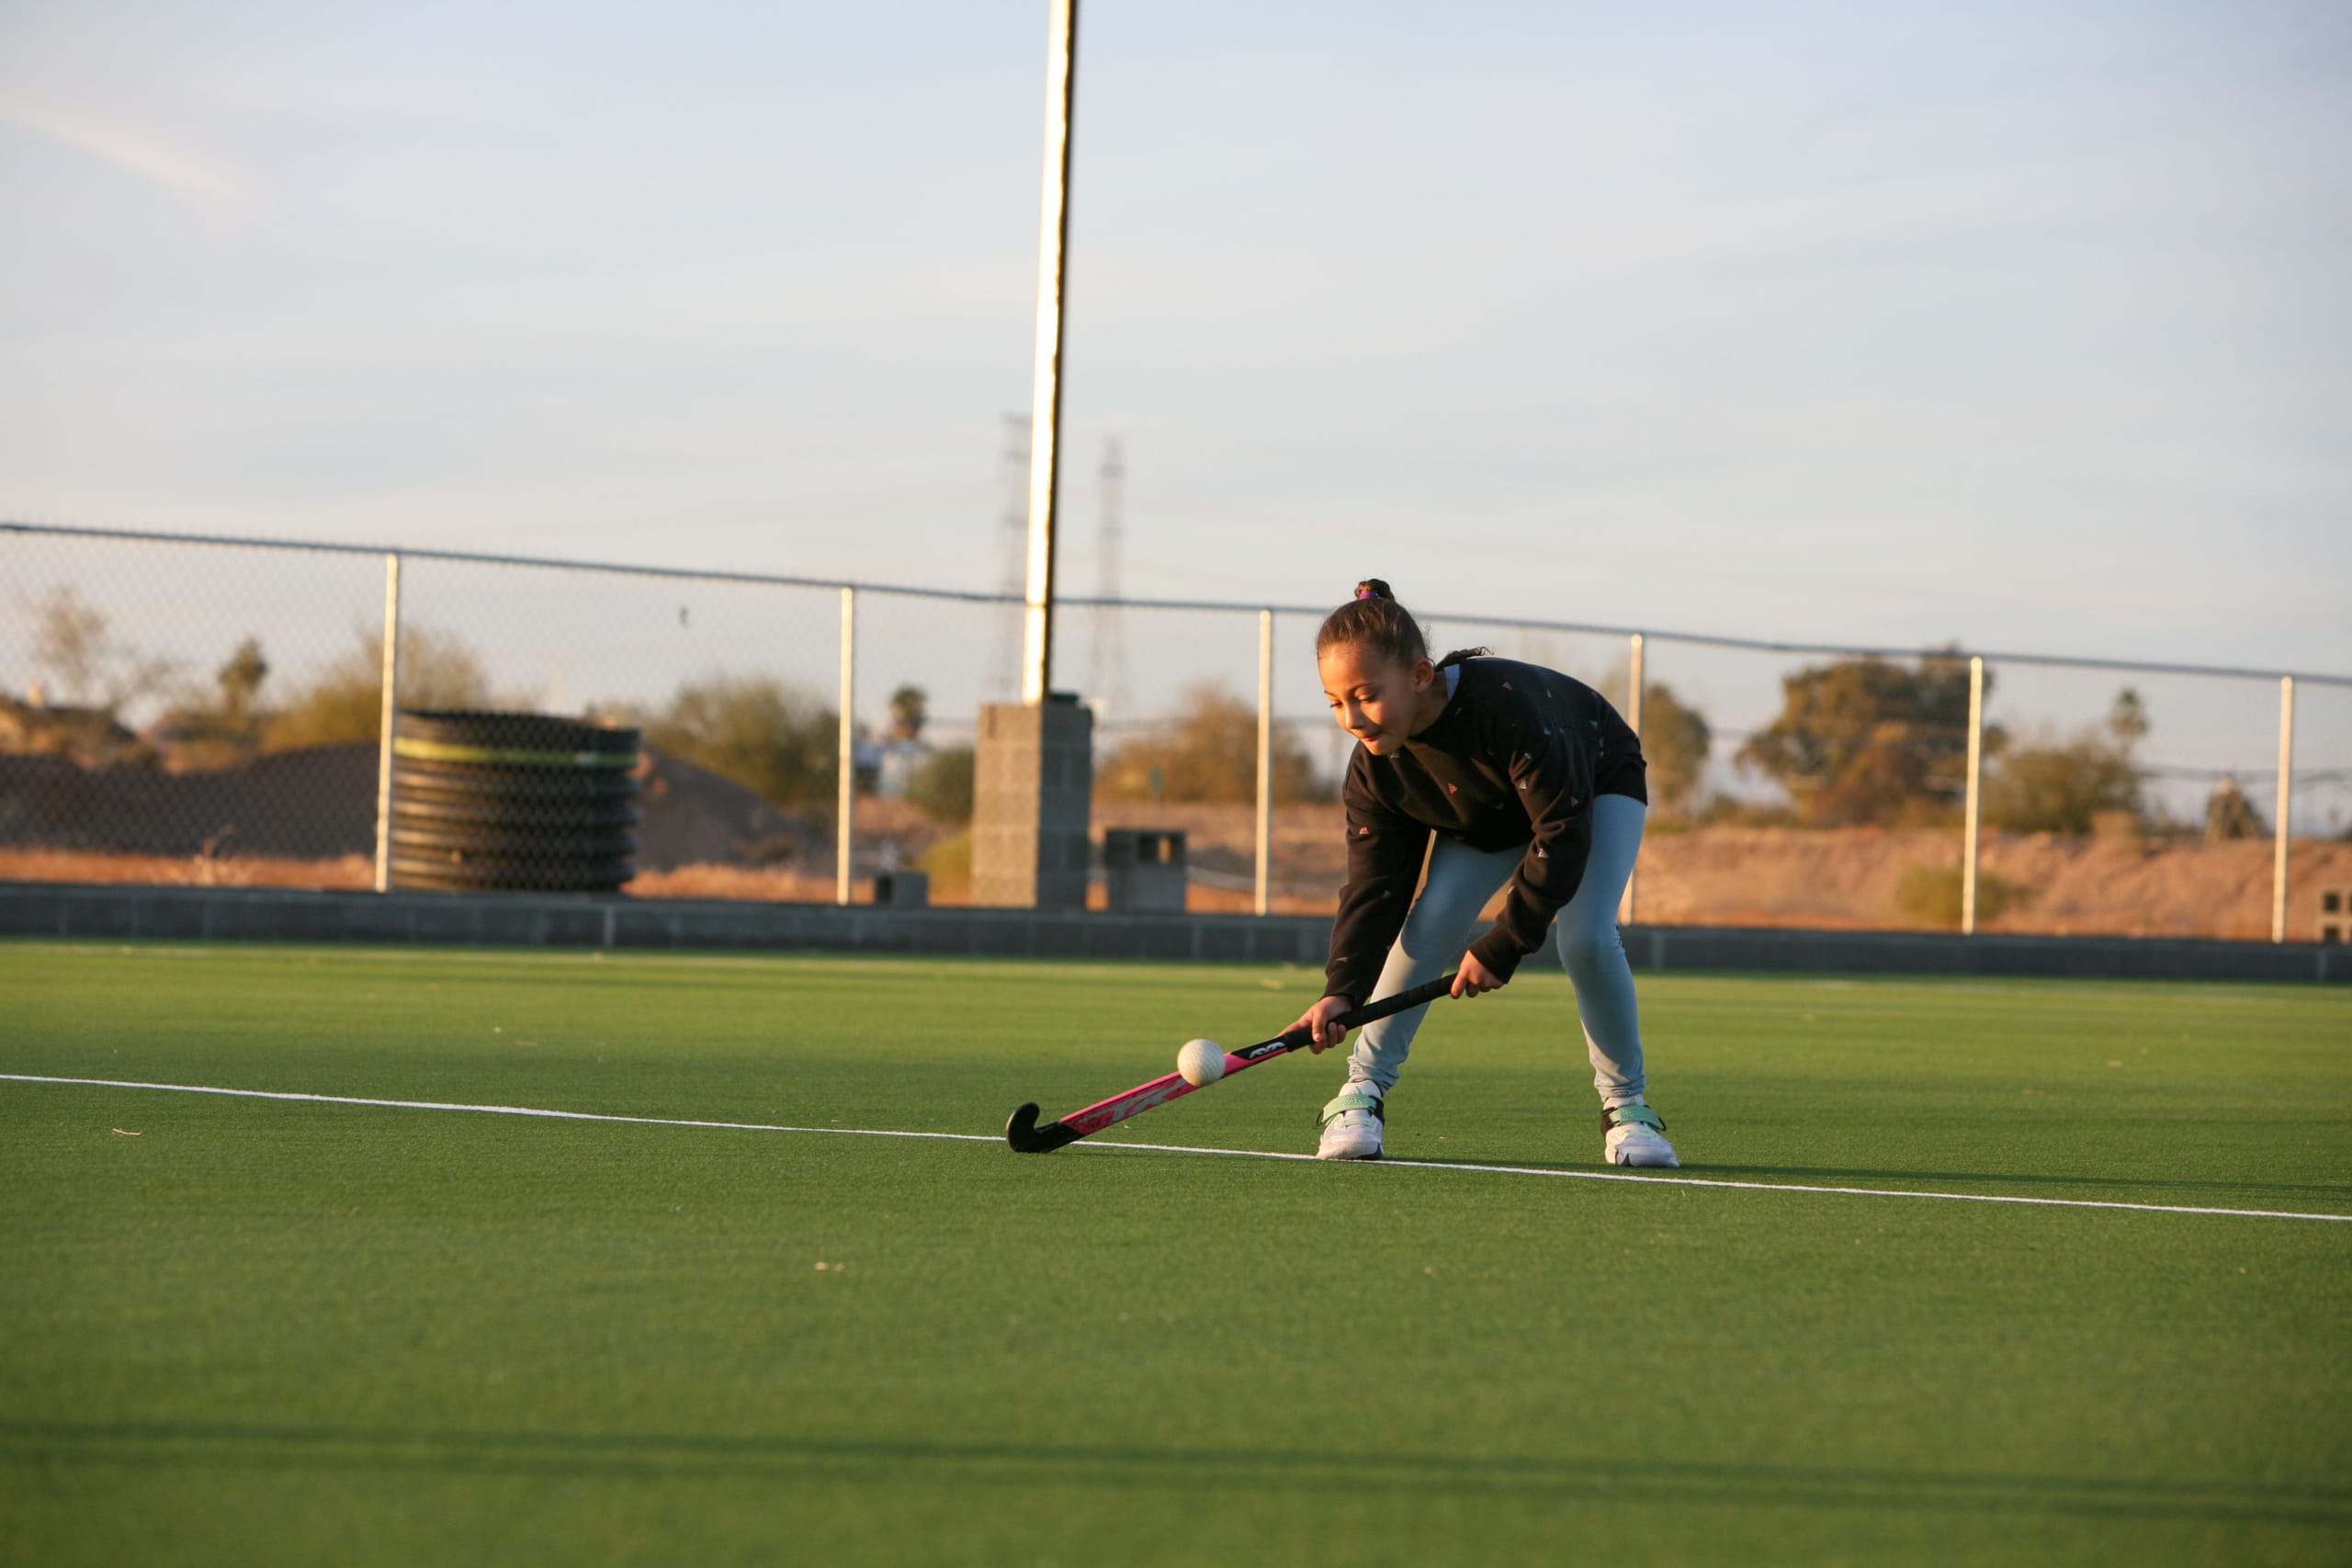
x,y
1367,592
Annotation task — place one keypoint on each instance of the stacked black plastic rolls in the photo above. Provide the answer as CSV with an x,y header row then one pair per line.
x,y
512,802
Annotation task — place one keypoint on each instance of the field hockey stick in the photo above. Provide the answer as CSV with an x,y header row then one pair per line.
x,y
1026,1137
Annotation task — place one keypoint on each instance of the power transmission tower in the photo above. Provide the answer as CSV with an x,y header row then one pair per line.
x,y
1012,471
1107,677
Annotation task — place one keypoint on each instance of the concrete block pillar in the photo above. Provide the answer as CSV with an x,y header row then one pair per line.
x,y
1032,788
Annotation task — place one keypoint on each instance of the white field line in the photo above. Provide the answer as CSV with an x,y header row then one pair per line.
x,y
1752,1185
492,1110
1184,1149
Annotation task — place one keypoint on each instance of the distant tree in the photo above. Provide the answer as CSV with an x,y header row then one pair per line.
x,y
1869,740
2229,815
1675,742
241,680
775,740
213,729
1932,897
1722,809
942,787
2127,720
69,638
1207,751
909,707
2066,786
74,646
345,704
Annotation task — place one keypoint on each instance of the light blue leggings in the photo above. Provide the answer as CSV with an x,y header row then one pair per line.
x,y
1440,927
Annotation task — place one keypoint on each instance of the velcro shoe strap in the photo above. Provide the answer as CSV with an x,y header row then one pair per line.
x,y
1354,1100
1619,1115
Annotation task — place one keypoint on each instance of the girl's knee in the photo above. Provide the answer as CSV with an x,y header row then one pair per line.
x,y
1586,947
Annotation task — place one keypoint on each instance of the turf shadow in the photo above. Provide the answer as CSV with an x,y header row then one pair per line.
x,y
269,1447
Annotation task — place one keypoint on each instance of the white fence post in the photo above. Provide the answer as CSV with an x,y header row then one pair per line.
x,y
1265,887
1974,810
2286,798
391,681
846,797
1633,684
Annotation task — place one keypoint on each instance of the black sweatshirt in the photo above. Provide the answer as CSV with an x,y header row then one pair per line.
x,y
1515,758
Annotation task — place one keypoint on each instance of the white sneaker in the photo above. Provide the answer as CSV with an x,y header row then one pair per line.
x,y
1352,1124
1633,1134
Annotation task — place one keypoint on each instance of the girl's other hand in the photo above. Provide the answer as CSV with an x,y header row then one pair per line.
x,y
1474,978
1321,1032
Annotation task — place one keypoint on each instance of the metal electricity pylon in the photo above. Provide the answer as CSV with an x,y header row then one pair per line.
x,y
1107,672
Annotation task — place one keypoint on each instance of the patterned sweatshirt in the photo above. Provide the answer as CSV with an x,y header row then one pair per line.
x,y
1515,758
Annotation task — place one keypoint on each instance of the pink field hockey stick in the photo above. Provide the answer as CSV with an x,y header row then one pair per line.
x,y
1026,1137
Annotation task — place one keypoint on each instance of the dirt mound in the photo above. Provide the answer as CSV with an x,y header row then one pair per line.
x,y
309,818
319,803
693,816
314,804
1842,878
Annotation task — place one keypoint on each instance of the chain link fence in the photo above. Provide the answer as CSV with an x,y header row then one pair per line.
x,y
215,711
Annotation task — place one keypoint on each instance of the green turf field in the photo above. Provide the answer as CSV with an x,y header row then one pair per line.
x,y
261,1331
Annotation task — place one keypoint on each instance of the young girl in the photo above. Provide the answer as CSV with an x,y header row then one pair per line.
x,y
1525,776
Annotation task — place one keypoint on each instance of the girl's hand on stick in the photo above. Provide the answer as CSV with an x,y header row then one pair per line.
x,y
1474,978
1321,1032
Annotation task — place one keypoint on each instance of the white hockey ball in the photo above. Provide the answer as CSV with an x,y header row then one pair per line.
x,y
1200,1062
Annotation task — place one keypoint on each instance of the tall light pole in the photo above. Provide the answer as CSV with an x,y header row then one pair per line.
x,y
1033,771
1046,397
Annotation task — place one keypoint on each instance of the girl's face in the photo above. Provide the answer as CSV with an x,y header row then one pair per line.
x,y
1378,700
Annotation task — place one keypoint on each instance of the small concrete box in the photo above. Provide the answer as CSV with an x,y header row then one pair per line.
x,y
1143,871
903,889
2335,922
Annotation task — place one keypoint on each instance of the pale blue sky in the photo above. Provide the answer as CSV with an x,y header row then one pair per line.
x,y
2024,325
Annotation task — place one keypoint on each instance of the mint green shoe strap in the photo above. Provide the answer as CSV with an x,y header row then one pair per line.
x,y
1619,1115
1353,1100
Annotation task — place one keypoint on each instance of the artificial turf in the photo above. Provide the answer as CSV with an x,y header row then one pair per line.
x,y
264,1332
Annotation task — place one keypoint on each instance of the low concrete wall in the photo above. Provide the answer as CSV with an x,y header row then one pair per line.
x,y
1946,952
275,914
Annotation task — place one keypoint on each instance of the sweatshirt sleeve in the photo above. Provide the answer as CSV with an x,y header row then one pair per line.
x,y
1551,766
1385,854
